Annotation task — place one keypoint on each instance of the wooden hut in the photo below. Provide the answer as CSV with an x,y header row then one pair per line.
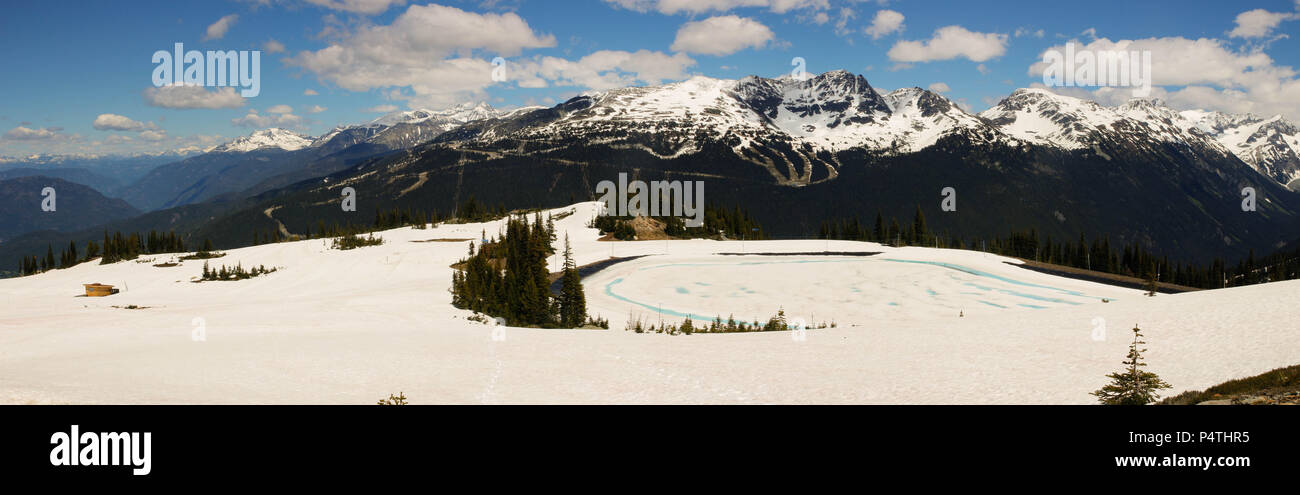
x,y
99,290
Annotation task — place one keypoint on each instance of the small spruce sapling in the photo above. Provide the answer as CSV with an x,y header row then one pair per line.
x,y
1133,385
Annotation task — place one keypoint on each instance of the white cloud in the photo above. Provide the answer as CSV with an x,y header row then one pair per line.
x,y
191,96
154,135
427,48
273,46
309,92
21,133
842,22
114,122
1178,61
369,7
885,22
1024,31
218,29
280,109
721,35
380,109
702,6
316,109
435,56
939,87
1259,23
1206,74
604,69
260,121
948,43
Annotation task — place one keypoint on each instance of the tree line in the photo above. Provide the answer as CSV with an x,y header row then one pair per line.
x,y
719,222
1130,259
116,247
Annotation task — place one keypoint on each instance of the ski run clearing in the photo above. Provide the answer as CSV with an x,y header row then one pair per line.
x,y
351,327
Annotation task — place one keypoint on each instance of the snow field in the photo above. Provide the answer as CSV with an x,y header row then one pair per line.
x,y
351,327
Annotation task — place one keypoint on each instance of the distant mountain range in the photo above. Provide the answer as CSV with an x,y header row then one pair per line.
x,y
793,152
105,173
76,207
272,158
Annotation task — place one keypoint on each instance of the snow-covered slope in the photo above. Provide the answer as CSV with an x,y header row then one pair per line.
x,y
1270,145
406,128
1039,116
455,115
273,138
353,326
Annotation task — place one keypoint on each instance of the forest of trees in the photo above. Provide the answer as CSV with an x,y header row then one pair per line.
x,y
915,234
1132,260
508,278
471,211
117,247
719,222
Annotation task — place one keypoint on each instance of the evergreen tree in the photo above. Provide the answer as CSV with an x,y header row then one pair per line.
x,y
573,303
1133,385
919,233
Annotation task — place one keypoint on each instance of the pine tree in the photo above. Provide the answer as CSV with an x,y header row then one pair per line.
x,y
919,228
1132,386
573,303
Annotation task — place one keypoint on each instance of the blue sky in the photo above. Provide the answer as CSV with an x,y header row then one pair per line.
x,y
71,66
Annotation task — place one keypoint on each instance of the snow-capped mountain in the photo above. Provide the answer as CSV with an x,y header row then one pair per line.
x,y
1270,145
273,138
1140,126
405,128
832,111
839,110
789,127
458,114
1041,117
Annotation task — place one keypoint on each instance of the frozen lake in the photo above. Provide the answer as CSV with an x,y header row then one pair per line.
x,y
844,289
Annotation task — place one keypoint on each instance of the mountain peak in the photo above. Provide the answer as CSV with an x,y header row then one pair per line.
x,y
273,138
1271,145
